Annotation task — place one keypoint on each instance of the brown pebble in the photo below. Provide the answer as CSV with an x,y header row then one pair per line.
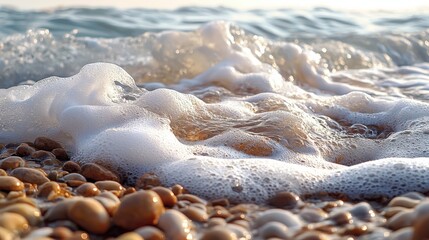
x,y
43,155
224,202
167,196
13,222
59,211
108,185
147,181
44,143
129,190
392,211
29,175
362,211
403,233
32,214
87,190
129,236
12,163
401,220
97,172
74,176
273,230
313,215
3,172
312,235
49,190
216,221
139,209
278,215
403,202
355,230
61,233
175,225
195,214
286,200
191,198
217,233
24,150
420,227
150,233
109,201
89,214
341,218
177,189
53,175
8,183
60,154
71,167
240,232
6,234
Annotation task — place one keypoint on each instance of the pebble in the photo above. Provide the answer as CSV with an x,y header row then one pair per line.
x,y
286,200
59,211
12,163
129,236
313,215
216,221
150,233
177,189
167,196
109,201
195,214
341,217
96,172
29,175
6,234
44,143
176,225
71,167
147,181
24,150
420,227
403,202
108,185
74,176
43,155
240,232
273,230
401,220
362,211
278,215
402,234
61,233
60,154
13,222
49,190
89,214
87,190
312,235
139,209
8,183
32,214
218,233
191,198
3,172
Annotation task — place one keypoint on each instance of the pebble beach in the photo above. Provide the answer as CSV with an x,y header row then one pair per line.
x,y
44,195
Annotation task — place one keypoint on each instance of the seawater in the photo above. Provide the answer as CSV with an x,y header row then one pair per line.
x,y
228,103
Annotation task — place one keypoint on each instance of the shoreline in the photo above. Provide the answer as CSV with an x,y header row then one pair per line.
x,y
44,195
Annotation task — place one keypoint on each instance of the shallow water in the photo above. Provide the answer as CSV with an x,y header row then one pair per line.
x,y
317,101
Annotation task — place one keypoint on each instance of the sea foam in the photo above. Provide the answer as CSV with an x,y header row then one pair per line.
x,y
240,128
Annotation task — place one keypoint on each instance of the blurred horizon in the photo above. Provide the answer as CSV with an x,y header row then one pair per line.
x,y
347,5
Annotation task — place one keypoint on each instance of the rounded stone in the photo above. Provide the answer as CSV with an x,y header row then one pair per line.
x,y
8,183
3,172
403,233
59,211
312,235
176,225
60,154
71,167
420,227
129,236
61,233
97,172
403,202
48,190
217,233
147,181
177,189
29,175
43,155
278,215
341,217
89,214
139,209
44,143
13,222
24,150
167,196
87,190
149,232
12,163
6,234
191,198
273,230
32,214
313,215
216,221
401,220
286,200
108,185
74,177
109,201
362,211
195,214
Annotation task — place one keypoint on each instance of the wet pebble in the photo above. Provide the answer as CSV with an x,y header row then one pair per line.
x,y
177,189
61,233
49,190
273,230
401,220
90,215
176,225
312,235
167,196
60,154
24,150
71,167
313,215
148,181
6,234
87,190
32,214
13,222
217,233
74,176
8,183
286,200
97,172
139,209
341,217
43,155
44,143
29,175
12,163
403,202
278,215
112,186
150,232
195,214
362,211
129,236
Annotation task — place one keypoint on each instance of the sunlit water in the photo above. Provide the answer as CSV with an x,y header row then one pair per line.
x,y
229,103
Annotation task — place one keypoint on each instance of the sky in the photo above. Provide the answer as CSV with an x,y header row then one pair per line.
x,y
351,5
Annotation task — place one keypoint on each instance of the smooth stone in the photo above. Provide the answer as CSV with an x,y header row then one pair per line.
x,y
74,183
195,214
109,201
129,236
392,211
312,235
29,175
177,189
60,154
71,167
147,181
43,155
219,211
8,202
150,233
24,150
59,211
242,223
139,209
3,172
403,202
89,214
74,176
97,172
273,230
40,233
240,232
44,143
313,215
8,183
422,208
414,195
278,215
32,214
191,198
341,217
13,222
87,190
6,234
286,200
12,163
108,185
401,220
216,221
421,227
61,233
224,202
403,234
167,196
217,233
176,225
362,211
15,194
